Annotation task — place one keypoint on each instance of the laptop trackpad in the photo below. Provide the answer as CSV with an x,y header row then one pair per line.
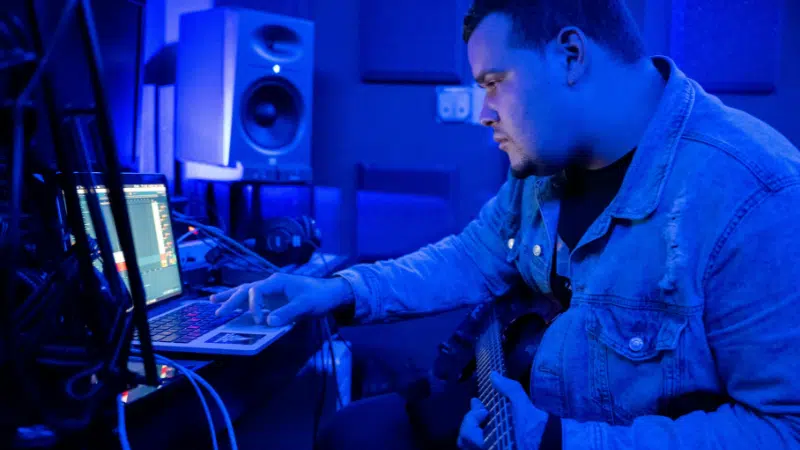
x,y
242,336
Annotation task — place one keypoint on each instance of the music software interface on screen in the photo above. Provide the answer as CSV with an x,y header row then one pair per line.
x,y
152,237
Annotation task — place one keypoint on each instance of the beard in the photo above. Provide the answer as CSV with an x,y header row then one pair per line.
x,y
526,167
523,169
534,161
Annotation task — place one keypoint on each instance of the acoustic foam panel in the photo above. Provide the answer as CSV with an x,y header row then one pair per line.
x,y
411,41
728,46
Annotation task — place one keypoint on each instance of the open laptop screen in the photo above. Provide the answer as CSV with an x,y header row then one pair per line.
x,y
151,224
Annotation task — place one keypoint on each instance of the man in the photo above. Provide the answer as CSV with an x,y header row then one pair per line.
x,y
662,221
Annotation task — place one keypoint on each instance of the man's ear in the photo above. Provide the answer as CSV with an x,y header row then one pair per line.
x,y
571,45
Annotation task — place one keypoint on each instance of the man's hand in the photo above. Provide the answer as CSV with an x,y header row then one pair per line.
x,y
529,422
285,298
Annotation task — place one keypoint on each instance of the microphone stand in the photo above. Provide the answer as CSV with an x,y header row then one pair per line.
x,y
109,161
115,350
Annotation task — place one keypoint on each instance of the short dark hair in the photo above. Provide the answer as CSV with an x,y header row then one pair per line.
x,y
536,22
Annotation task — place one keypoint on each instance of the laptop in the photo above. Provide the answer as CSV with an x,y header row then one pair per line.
x,y
177,323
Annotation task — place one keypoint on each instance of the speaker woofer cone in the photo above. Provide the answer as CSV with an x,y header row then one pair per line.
x,y
272,115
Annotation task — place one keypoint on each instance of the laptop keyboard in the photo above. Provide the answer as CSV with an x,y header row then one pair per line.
x,y
187,323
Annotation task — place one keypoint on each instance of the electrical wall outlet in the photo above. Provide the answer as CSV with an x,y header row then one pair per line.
x,y
453,103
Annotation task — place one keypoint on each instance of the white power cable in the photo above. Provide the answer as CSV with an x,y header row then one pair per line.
x,y
193,378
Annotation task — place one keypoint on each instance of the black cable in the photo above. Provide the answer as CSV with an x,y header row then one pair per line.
x,y
332,354
231,259
243,260
15,30
31,307
319,338
219,234
10,40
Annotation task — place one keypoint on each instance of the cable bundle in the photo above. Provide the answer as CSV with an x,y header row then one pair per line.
x,y
194,379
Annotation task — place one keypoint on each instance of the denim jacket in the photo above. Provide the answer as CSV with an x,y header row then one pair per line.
x,y
687,286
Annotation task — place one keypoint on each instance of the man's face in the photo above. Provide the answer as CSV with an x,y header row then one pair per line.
x,y
526,98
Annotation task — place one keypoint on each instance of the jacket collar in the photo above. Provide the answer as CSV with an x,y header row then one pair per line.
x,y
644,182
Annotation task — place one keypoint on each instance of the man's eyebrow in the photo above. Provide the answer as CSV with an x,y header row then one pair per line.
x,y
481,77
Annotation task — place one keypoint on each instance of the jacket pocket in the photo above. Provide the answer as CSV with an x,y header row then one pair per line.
x,y
635,359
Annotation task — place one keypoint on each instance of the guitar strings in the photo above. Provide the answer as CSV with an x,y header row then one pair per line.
x,y
499,430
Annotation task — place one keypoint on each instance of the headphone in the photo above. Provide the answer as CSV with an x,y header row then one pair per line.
x,y
288,240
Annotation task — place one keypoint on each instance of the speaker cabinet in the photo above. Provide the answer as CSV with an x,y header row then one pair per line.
x,y
244,92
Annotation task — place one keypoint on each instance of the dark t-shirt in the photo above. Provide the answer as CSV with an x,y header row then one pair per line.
x,y
586,194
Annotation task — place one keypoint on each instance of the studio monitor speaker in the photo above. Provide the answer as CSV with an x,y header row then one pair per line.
x,y
244,83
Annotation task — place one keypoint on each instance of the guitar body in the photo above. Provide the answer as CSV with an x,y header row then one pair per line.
x,y
502,336
521,327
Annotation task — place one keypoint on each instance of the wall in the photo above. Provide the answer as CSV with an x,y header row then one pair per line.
x,y
387,125
780,108
390,125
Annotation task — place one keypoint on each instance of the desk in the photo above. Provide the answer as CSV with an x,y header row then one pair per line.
x,y
172,417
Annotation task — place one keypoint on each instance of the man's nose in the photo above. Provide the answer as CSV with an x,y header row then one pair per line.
x,y
488,116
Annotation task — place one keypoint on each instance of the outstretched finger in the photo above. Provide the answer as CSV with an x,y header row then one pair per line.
x,y
254,297
296,309
234,302
220,297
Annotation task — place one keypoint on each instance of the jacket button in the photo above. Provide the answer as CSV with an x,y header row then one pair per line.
x,y
537,250
636,344
511,243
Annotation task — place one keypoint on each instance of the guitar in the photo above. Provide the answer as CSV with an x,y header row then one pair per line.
x,y
501,336
491,356
499,430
